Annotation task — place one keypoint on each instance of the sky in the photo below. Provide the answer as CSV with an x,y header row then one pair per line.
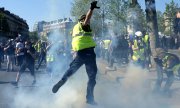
x,y
37,10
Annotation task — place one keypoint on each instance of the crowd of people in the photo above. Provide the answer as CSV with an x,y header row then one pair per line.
x,y
136,49
21,53
116,48
169,42
122,49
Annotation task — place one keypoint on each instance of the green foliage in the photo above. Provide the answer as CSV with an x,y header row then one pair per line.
x,y
140,21
114,11
80,7
160,20
44,38
33,36
4,26
117,9
1,15
171,9
170,14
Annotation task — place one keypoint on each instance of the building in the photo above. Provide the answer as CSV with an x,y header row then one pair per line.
x,y
63,26
38,26
11,25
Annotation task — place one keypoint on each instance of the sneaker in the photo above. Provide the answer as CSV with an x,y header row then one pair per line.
x,y
109,68
91,102
14,83
57,86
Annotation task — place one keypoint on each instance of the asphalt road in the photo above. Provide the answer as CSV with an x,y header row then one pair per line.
x,y
115,89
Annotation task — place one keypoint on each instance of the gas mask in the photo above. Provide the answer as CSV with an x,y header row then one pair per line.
x,y
139,40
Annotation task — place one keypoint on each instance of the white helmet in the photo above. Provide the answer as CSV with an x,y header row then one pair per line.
x,y
138,33
19,35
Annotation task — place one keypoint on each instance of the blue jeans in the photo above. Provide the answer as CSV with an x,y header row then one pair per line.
x,y
169,81
41,58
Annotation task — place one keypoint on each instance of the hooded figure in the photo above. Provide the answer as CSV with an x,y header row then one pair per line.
x,y
169,64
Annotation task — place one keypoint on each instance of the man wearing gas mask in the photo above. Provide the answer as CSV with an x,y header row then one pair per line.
x,y
138,50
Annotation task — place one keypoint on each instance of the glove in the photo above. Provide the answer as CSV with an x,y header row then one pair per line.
x,y
94,5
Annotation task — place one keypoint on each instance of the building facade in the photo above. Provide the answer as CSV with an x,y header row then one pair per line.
x,y
11,25
63,26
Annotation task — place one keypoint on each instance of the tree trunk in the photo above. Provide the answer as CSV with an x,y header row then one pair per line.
x,y
152,26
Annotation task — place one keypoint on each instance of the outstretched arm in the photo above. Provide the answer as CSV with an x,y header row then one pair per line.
x,y
89,13
88,17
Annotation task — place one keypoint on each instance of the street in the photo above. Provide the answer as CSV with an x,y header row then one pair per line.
x,y
123,88
90,54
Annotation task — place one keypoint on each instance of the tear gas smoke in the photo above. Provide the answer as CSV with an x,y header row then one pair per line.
x,y
133,91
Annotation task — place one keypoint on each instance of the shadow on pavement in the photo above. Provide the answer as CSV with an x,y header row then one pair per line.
x,y
4,82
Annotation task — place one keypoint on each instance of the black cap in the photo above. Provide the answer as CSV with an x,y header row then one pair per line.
x,y
82,17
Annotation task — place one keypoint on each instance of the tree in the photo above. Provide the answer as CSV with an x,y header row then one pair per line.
x,y
136,17
116,11
1,19
152,25
170,14
124,13
33,36
4,26
80,7
160,20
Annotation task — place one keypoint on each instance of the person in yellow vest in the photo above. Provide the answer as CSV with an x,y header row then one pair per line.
x,y
106,44
83,46
42,55
37,46
147,51
50,58
113,52
138,50
169,64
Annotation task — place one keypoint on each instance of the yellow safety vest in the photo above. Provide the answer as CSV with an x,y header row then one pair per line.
x,y
37,47
146,40
81,39
106,43
49,58
138,54
175,68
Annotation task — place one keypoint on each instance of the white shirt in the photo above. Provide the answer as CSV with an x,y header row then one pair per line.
x,y
20,46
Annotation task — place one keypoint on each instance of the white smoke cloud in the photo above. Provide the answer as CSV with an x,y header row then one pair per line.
x,y
133,91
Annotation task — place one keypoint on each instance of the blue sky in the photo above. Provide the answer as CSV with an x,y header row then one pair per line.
x,y
38,10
